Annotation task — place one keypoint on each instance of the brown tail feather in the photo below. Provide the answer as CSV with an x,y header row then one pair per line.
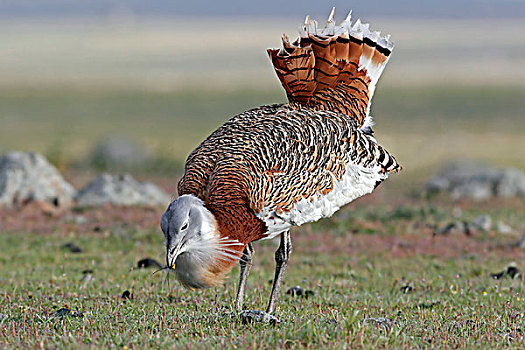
x,y
334,69
296,73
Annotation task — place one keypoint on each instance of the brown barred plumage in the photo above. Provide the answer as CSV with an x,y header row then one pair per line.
x,y
274,156
277,166
326,72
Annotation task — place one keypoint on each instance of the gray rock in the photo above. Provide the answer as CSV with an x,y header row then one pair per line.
x,y
521,242
249,316
511,183
121,190
437,184
478,190
87,278
452,227
478,182
28,176
505,229
483,223
117,152
65,312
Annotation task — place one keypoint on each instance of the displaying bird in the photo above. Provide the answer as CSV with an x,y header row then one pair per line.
x,y
282,165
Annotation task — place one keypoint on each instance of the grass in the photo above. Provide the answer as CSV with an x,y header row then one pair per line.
x,y
389,284
169,124
421,126
380,277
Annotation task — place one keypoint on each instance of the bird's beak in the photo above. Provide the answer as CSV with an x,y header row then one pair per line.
x,y
174,253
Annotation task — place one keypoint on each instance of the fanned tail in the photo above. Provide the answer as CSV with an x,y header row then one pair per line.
x,y
335,68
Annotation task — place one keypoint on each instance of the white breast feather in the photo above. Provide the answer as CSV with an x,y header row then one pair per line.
x,y
356,182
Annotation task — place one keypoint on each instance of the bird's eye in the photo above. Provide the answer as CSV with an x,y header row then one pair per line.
x,y
185,226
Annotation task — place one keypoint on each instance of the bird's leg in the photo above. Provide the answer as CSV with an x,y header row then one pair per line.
x,y
245,264
282,256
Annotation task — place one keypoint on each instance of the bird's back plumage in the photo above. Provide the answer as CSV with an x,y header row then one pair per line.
x,y
276,166
288,166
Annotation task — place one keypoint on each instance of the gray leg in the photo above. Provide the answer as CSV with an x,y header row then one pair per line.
x,y
246,264
282,256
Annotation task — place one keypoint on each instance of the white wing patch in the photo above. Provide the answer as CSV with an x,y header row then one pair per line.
x,y
356,182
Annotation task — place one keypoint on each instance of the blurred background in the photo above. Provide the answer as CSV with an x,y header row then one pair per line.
x,y
146,81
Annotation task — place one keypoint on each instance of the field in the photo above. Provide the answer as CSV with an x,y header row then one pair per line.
x,y
380,277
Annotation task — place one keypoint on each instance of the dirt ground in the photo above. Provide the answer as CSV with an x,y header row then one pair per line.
x,y
408,235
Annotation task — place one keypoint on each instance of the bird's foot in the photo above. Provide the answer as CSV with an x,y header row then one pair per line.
x,y
249,316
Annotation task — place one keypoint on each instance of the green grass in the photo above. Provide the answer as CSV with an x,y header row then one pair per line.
x,y
422,126
359,280
66,87
170,124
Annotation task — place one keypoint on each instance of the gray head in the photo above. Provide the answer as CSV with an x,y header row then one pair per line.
x,y
194,247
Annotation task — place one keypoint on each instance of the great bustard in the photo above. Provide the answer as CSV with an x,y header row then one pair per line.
x,y
282,165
